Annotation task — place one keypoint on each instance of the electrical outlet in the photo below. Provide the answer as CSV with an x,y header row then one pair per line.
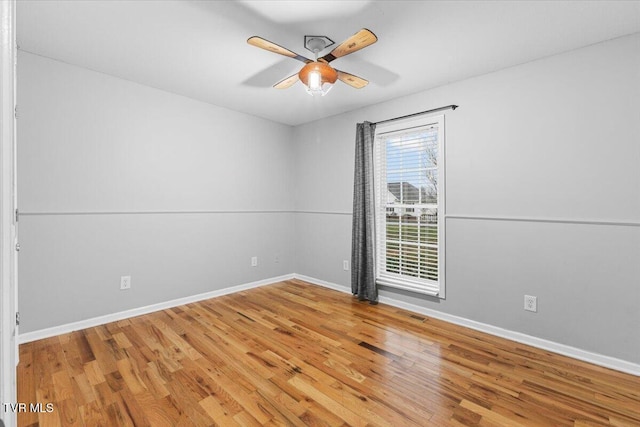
x,y
345,265
254,261
276,259
125,282
531,303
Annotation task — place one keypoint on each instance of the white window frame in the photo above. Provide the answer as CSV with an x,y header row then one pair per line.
x,y
428,287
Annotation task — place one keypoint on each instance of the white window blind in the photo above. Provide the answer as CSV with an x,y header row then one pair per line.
x,y
409,192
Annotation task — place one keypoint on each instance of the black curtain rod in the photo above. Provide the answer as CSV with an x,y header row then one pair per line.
x,y
452,107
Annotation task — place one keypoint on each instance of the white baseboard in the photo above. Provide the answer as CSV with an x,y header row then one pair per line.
x,y
565,350
101,320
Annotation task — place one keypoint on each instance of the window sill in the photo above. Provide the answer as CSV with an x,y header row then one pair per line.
x,y
408,286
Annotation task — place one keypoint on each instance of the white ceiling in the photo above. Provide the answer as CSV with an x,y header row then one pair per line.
x,y
198,48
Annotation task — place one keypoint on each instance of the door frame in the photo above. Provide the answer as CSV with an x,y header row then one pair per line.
x,y
8,256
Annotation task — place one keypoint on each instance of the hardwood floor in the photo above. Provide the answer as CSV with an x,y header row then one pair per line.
x,y
294,354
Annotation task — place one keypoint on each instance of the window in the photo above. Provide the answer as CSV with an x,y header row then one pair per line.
x,y
409,178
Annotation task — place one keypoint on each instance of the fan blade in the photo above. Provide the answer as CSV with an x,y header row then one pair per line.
x,y
272,47
359,40
351,80
288,82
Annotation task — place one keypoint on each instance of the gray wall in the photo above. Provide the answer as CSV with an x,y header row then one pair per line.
x,y
116,178
550,150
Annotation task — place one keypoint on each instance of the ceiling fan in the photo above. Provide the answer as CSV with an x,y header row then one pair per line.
x,y
318,76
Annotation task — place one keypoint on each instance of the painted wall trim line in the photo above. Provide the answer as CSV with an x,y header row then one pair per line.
x,y
466,217
508,218
156,212
325,212
101,320
544,220
51,213
565,350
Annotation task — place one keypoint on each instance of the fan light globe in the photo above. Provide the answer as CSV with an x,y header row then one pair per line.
x,y
318,78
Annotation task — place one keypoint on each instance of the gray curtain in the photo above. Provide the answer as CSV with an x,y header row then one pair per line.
x,y
363,282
